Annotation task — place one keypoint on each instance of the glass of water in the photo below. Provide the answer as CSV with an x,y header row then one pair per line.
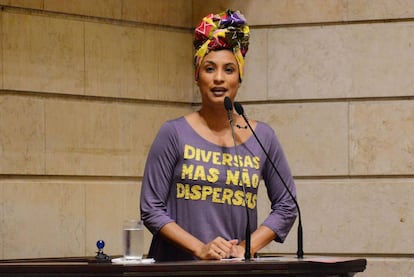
x,y
133,239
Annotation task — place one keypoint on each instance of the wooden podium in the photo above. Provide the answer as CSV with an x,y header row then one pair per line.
x,y
268,266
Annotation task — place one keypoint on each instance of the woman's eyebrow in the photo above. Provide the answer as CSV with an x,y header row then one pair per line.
x,y
210,62
213,63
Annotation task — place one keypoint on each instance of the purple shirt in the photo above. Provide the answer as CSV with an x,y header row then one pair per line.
x,y
195,183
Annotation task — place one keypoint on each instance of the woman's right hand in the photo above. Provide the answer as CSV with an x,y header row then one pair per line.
x,y
217,249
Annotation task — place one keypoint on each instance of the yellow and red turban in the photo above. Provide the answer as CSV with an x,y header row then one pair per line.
x,y
226,30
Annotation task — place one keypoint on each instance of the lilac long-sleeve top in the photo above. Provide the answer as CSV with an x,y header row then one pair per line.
x,y
199,185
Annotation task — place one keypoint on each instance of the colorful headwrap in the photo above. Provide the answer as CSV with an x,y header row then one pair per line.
x,y
226,30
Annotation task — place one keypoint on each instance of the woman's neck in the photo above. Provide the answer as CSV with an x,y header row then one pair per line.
x,y
215,120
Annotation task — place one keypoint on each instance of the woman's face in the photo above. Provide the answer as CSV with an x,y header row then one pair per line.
x,y
218,77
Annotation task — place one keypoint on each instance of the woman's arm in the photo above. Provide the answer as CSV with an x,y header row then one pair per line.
x,y
259,239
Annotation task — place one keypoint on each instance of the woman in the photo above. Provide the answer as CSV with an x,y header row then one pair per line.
x,y
195,185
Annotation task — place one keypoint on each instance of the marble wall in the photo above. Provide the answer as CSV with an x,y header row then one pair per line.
x,y
85,86
84,89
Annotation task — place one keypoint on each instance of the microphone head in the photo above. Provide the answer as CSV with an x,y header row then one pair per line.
x,y
228,104
239,108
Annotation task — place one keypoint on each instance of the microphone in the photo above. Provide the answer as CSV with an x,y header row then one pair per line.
x,y
239,109
229,108
228,105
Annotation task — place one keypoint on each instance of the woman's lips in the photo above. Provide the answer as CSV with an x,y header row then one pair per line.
x,y
219,91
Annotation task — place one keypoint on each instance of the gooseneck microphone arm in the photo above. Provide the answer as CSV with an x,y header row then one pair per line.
x,y
239,109
228,105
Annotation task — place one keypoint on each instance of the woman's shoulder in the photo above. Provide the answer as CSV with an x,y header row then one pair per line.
x,y
170,127
263,127
176,127
266,133
174,123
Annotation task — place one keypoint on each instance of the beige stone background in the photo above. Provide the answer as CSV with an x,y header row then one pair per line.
x,y
85,85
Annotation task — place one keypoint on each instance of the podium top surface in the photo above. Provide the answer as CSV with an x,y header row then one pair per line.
x,y
265,266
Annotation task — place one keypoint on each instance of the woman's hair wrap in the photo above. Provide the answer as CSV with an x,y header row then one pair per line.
x,y
226,30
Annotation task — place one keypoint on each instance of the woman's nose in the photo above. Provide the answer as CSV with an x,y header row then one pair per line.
x,y
219,76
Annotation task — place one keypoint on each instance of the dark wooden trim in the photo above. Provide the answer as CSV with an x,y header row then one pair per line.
x,y
322,266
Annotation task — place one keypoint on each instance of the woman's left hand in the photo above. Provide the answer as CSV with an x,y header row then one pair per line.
x,y
237,251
